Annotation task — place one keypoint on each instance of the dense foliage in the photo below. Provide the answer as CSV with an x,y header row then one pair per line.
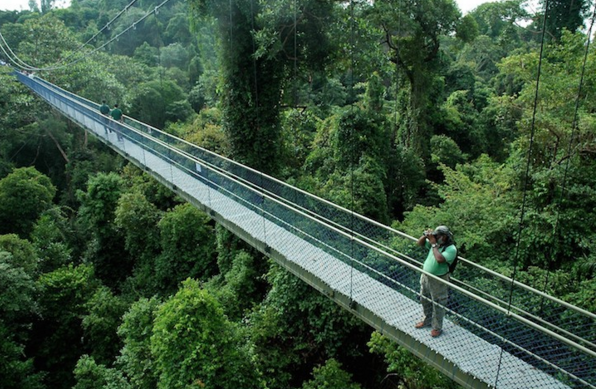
x,y
402,110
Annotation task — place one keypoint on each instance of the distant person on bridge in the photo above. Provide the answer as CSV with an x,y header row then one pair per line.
x,y
117,115
104,109
434,294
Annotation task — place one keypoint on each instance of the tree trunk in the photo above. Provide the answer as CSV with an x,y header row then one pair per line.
x,y
58,145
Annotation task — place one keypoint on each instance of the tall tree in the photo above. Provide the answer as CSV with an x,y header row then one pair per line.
x,y
106,246
188,247
500,32
91,375
494,19
137,218
51,236
413,29
58,333
17,305
194,344
562,152
17,108
22,254
135,357
330,376
252,130
153,101
104,314
24,195
46,6
256,45
296,327
564,14
16,369
45,41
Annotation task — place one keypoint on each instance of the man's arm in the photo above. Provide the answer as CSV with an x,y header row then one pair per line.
x,y
421,240
438,255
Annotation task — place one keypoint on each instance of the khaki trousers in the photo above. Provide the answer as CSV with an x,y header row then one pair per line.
x,y
434,295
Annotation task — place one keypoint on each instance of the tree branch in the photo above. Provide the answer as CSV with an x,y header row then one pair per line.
x,y
58,146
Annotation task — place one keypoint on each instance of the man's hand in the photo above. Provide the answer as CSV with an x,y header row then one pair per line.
x,y
429,235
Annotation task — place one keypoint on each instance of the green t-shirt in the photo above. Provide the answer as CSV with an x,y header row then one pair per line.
x,y
438,269
116,114
104,109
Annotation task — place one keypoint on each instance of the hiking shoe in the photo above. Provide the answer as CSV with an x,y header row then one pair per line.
x,y
421,324
435,333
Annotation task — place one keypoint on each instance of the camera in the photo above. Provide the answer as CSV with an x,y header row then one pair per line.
x,y
429,233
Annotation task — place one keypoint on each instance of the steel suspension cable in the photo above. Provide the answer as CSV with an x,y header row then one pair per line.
x,y
132,26
574,125
397,74
257,108
353,149
295,60
529,158
14,58
525,179
106,26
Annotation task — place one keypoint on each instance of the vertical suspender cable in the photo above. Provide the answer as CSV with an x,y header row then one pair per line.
x,y
257,109
397,75
526,175
560,198
295,90
295,97
529,161
353,151
294,83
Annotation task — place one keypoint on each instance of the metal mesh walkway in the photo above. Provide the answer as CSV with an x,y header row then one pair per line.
x,y
373,271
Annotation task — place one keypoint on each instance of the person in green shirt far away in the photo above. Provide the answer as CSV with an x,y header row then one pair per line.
x,y
104,109
117,115
433,293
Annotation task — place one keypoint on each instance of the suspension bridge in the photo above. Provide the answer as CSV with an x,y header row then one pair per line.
x,y
498,332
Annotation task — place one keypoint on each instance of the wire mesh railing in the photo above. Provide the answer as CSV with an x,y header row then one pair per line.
x,y
543,331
